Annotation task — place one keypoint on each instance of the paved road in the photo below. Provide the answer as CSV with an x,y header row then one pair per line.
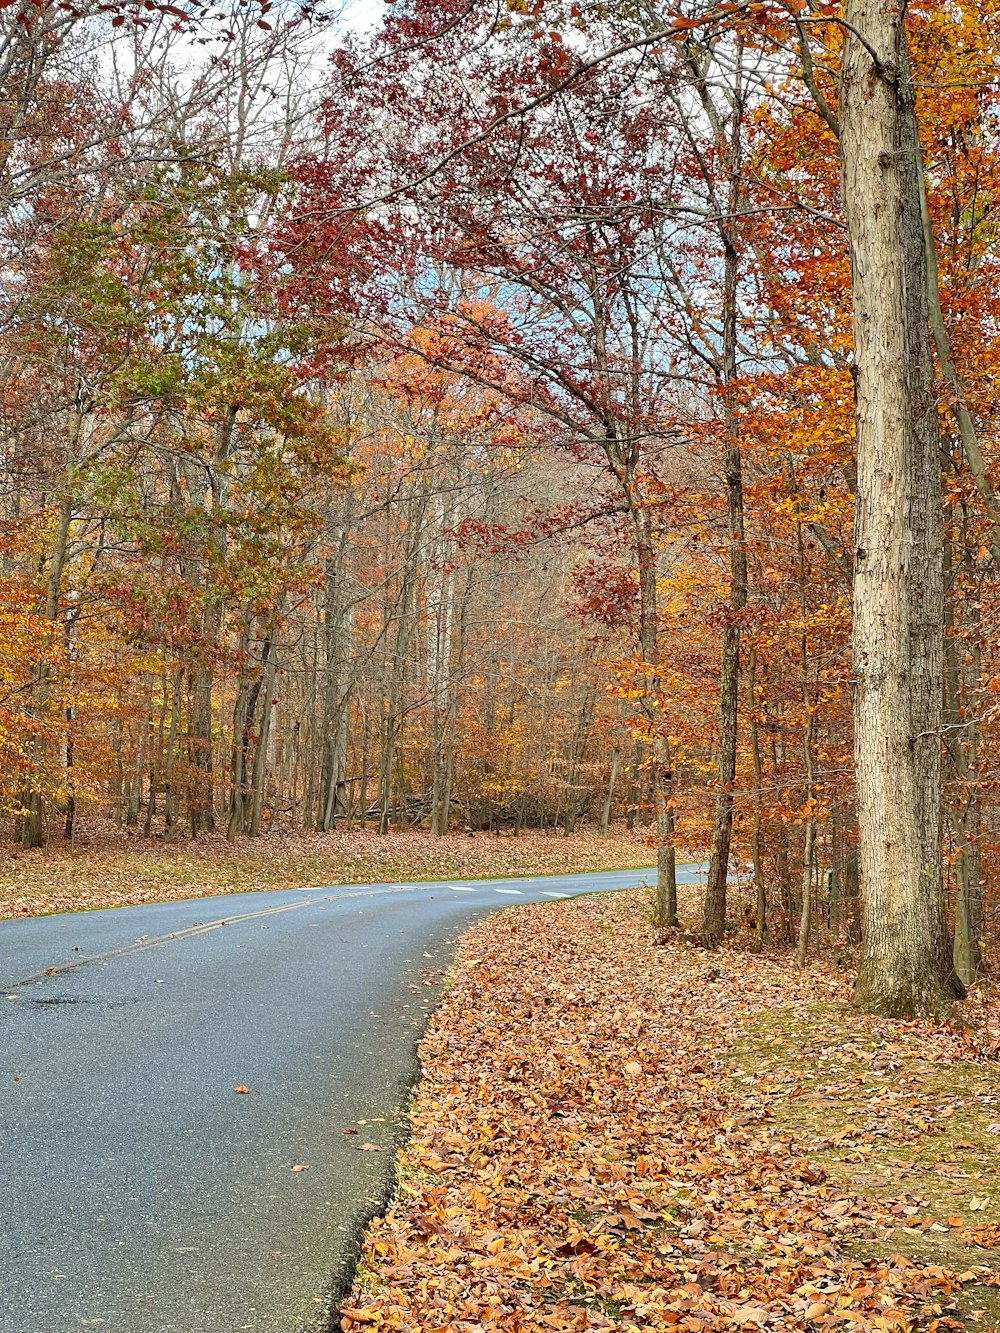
x,y
141,1193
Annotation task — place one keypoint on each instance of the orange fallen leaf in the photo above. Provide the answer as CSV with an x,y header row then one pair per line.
x,y
242,1088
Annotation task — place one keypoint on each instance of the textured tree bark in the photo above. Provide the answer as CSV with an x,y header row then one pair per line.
x,y
714,920
649,624
247,691
808,754
260,758
208,488
609,796
336,688
759,883
135,793
898,600
169,792
725,116
964,808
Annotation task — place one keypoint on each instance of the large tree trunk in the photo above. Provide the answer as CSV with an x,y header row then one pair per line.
x,y
201,806
808,754
714,918
334,681
260,758
961,753
898,566
756,842
665,911
248,688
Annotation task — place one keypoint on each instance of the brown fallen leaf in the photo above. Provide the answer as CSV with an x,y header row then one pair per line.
x,y
300,1166
350,1130
370,1147
242,1088
357,1316
750,1314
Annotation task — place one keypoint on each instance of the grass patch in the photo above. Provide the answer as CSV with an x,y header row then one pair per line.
x,y
898,1116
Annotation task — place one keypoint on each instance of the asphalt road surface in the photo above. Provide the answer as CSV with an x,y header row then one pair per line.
x,y
141,1192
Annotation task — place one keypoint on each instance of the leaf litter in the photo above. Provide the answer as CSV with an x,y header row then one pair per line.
x,y
110,867
612,1135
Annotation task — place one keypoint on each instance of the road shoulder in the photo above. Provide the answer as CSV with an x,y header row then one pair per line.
x,y
602,1140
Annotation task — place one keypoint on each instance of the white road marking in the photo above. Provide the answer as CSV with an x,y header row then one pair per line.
x,y
548,893
519,892
460,888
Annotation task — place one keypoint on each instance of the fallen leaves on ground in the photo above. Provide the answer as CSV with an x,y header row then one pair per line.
x,y
111,867
586,1155
904,1111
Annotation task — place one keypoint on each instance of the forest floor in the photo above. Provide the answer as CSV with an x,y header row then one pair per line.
x,y
107,867
615,1135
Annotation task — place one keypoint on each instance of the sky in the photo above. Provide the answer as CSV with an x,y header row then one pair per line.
x,y
360,16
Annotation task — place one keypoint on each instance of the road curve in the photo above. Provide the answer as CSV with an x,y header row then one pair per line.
x,y
142,1192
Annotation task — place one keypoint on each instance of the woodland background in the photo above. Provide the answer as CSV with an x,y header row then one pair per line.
x,y
361,468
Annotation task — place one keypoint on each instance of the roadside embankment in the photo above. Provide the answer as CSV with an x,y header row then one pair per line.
x,y
614,1135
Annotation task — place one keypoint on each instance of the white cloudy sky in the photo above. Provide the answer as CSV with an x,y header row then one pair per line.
x,y
361,16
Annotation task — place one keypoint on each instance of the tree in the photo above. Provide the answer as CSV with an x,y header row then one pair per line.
x,y
898,578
